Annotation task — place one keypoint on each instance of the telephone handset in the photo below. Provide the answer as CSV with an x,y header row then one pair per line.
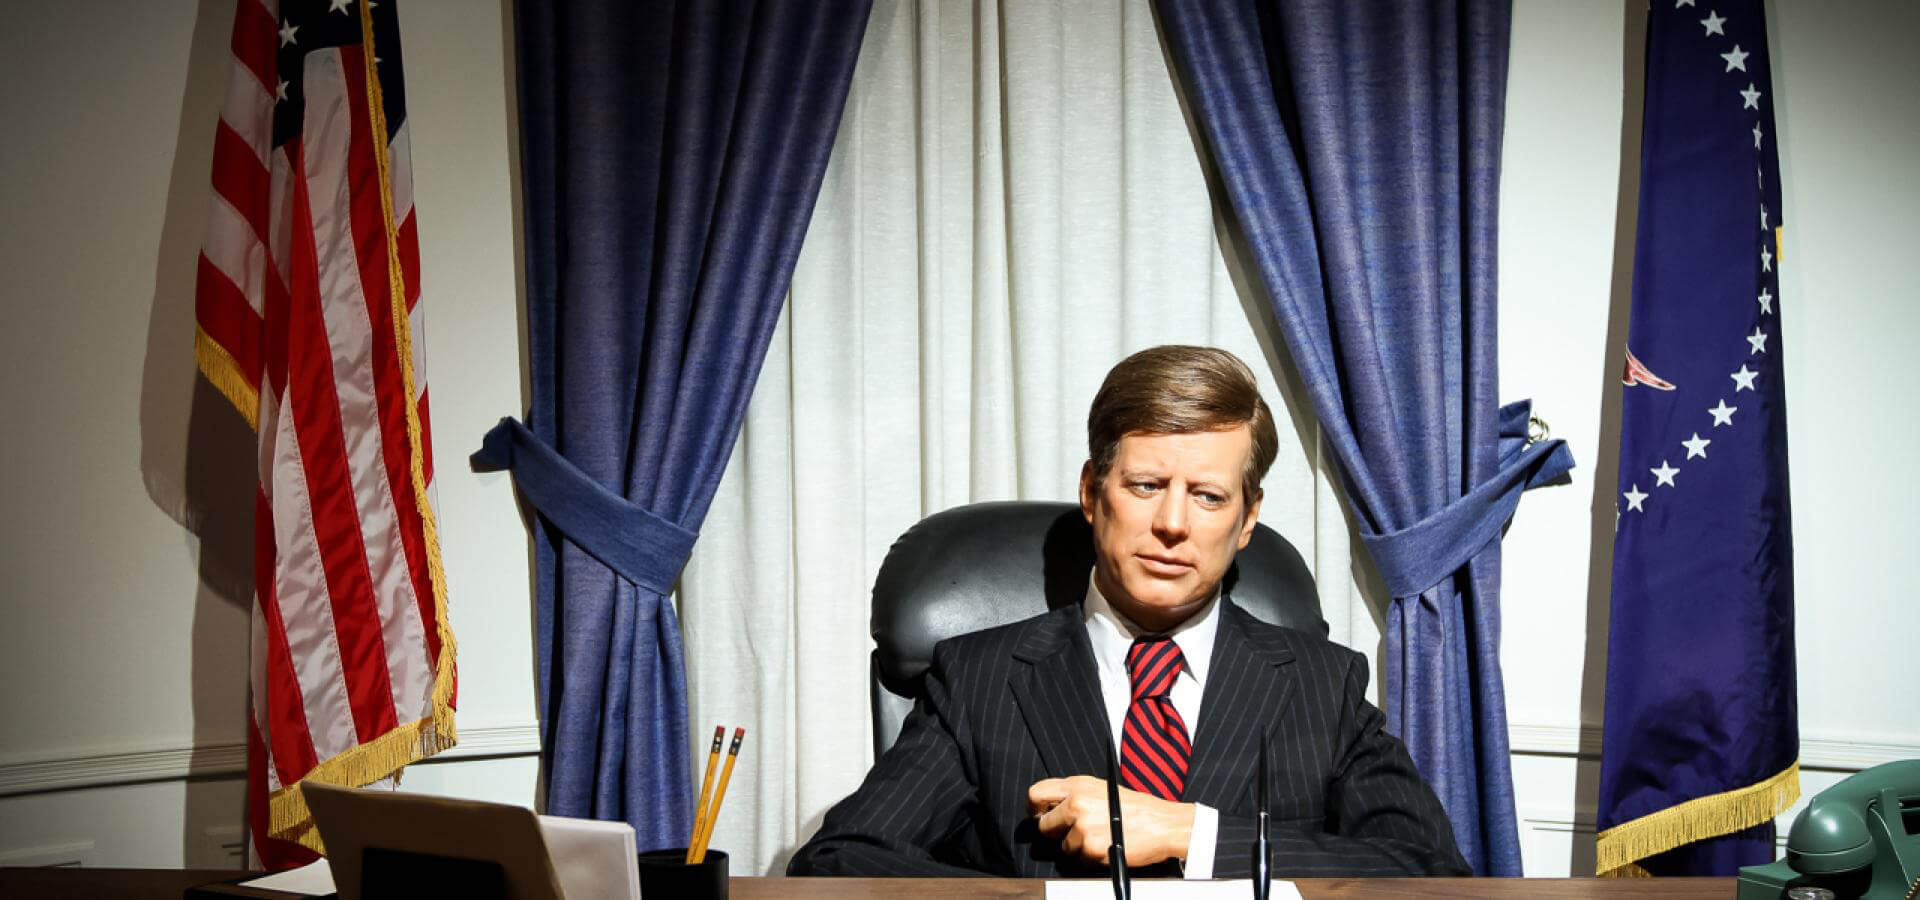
x,y
1859,838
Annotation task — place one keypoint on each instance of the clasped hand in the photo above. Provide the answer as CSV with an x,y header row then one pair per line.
x,y
1074,812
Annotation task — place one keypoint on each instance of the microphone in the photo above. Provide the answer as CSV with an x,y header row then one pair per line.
x,y
1117,849
1262,868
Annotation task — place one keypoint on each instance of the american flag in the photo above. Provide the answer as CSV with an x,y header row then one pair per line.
x,y
309,321
1701,739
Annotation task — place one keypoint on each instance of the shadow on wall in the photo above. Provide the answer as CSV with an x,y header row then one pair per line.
x,y
197,460
510,92
1593,671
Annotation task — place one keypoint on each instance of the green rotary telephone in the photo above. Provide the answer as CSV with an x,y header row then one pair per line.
x,y
1859,838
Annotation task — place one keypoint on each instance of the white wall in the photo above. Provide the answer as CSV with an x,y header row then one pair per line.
x,y
125,579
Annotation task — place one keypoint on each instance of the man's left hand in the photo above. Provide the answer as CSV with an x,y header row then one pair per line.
x,y
1074,812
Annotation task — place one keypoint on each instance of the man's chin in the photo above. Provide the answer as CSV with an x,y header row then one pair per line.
x,y
1160,611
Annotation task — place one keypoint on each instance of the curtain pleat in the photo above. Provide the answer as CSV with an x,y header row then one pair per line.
x,y
672,154
1014,203
1360,144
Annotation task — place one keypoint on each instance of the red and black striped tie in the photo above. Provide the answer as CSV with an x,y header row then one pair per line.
x,y
1153,743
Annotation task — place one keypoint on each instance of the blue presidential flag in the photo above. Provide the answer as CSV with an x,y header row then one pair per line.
x,y
1701,736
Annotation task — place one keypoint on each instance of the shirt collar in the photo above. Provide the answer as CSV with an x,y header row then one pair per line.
x,y
1113,634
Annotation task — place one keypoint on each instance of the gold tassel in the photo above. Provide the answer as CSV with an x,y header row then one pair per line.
x,y
288,817
1617,849
219,368
442,713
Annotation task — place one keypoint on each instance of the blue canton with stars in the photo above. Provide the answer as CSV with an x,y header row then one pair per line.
x,y
310,25
1700,676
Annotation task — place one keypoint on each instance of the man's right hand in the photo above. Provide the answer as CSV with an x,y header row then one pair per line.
x,y
1073,811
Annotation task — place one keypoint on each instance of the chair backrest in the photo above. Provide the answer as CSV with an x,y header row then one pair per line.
x,y
988,564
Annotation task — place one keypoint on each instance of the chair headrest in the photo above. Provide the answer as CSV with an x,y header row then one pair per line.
x,y
988,564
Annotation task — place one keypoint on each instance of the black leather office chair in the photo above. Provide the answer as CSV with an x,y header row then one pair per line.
x,y
987,564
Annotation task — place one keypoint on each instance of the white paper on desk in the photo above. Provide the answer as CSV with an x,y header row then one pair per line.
x,y
1169,890
314,879
592,858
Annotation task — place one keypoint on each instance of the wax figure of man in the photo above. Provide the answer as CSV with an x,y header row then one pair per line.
x,y
998,768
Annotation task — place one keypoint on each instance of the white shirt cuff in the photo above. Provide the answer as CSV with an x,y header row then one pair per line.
x,y
1206,833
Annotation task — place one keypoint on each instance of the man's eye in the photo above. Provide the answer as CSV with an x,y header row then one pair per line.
x,y
1209,498
1144,487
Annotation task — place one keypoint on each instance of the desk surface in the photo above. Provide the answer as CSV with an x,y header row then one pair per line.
x,y
1310,888
169,884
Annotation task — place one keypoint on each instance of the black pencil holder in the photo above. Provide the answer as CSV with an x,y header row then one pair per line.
x,y
666,873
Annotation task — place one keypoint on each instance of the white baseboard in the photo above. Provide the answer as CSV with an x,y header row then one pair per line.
x,y
1838,753
216,760
73,854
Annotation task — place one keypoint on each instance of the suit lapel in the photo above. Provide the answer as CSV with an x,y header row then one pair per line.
x,y
1249,685
1059,695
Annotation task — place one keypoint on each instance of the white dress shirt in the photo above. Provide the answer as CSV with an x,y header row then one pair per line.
x,y
1112,635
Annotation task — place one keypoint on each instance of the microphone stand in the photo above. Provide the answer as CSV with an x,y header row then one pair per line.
x,y
1117,849
1262,866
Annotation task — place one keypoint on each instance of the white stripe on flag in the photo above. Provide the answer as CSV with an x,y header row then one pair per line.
x,y
257,693
400,172
306,606
249,110
233,248
350,334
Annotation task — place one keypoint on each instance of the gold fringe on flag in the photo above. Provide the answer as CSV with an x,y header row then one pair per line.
x,y
288,817
1619,848
225,375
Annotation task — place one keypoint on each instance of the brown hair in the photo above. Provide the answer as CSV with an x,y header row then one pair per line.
x,y
1177,389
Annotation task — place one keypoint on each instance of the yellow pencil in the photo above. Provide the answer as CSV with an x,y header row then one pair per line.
x,y
706,788
719,794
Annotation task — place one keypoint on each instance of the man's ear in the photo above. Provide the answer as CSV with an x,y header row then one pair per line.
x,y
1086,490
1253,518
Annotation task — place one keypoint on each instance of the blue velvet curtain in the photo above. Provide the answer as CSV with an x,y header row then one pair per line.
x,y
671,156
1360,146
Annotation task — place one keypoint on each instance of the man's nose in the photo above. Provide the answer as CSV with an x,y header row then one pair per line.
x,y
1170,518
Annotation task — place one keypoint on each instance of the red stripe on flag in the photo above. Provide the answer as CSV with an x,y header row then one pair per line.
x,y
239,177
275,854
370,241
287,728
222,312
314,403
410,260
256,42
426,445
275,320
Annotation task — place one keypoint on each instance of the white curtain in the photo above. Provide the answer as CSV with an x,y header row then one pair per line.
x,y
1014,203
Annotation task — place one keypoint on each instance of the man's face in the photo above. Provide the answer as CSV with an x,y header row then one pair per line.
x,y
1167,519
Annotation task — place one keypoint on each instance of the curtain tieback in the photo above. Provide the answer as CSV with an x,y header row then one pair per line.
x,y
642,547
1421,555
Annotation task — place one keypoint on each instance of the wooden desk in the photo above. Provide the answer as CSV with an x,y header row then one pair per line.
x,y
1310,888
169,884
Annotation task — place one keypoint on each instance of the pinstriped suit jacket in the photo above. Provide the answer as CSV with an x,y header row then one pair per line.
x,y
1009,706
